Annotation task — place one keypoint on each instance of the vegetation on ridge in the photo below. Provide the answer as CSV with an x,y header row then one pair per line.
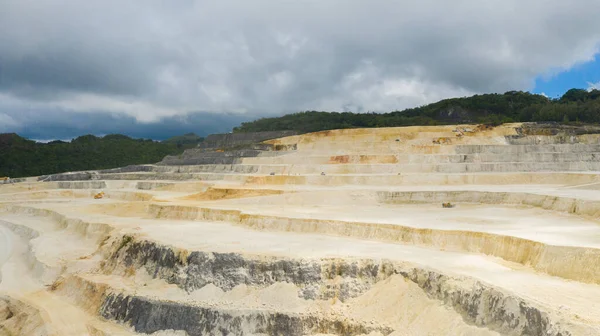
x,y
22,157
575,105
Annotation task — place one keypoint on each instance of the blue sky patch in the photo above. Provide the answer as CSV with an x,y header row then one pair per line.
x,y
581,76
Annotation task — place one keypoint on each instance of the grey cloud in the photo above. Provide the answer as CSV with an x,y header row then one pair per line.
x,y
65,125
262,57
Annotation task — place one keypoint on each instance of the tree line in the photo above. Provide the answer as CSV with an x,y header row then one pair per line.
x,y
575,106
21,157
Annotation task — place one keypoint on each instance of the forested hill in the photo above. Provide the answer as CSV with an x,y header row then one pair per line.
x,y
22,157
515,106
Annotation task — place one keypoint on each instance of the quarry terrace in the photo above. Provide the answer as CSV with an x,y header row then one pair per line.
x,y
441,230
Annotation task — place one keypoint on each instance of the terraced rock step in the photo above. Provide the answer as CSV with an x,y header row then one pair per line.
x,y
26,306
162,257
200,157
82,185
552,259
428,159
521,149
299,169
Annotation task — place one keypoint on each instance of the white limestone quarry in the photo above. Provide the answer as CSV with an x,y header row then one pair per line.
x,y
340,233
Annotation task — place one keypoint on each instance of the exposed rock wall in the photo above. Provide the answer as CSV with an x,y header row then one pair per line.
x,y
127,169
486,306
521,149
230,148
201,156
81,185
149,316
317,279
76,176
228,140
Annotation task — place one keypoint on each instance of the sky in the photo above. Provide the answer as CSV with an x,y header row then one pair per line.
x,y
583,76
156,68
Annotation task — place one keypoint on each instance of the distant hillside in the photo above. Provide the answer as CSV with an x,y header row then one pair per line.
x,y
22,157
189,140
515,106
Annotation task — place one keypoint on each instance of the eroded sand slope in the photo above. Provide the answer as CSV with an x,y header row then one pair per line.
x,y
335,233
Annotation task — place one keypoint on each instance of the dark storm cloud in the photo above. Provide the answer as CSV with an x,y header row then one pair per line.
x,y
155,60
61,125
